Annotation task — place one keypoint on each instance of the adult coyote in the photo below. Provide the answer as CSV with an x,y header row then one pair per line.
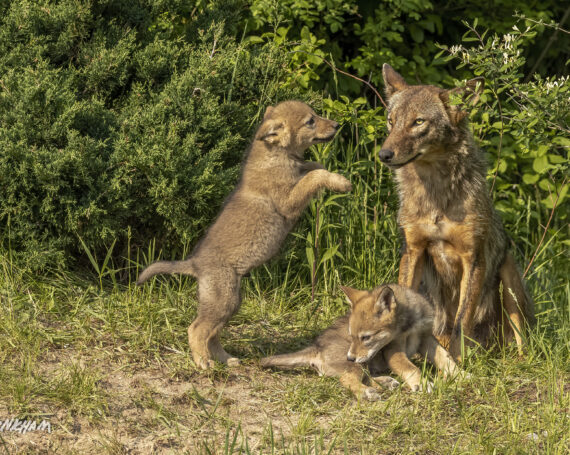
x,y
454,243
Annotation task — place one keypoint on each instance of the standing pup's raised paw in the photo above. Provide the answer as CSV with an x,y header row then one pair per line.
x,y
340,183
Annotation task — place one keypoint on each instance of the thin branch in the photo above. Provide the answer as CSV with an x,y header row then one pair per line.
x,y
545,228
500,140
550,43
346,74
553,25
213,49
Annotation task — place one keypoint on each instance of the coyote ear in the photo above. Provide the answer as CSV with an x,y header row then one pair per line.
x,y
468,94
352,295
392,80
273,132
267,112
386,300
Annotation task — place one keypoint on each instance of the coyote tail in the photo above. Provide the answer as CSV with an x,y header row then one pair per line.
x,y
182,267
297,359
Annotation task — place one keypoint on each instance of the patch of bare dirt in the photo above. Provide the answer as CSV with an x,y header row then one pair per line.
x,y
155,410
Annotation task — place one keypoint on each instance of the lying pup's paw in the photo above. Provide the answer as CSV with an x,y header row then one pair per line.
x,y
387,381
371,394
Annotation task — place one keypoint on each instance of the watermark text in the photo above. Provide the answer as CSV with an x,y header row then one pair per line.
x,y
24,425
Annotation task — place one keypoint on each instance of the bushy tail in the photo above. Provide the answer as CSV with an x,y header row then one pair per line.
x,y
182,267
302,358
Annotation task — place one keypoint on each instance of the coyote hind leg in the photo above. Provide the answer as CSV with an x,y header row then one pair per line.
x,y
516,302
218,300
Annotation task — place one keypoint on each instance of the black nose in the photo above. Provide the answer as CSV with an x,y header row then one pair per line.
x,y
350,358
335,125
385,155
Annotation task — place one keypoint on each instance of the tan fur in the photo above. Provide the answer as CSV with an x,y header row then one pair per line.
x,y
395,323
402,330
455,246
275,187
327,355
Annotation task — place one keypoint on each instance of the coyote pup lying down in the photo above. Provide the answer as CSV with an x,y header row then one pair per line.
x,y
275,187
384,328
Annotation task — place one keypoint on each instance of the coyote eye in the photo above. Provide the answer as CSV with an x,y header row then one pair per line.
x,y
419,121
390,121
364,337
310,122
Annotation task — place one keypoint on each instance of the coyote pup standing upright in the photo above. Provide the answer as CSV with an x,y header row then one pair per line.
x,y
275,187
454,242
384,328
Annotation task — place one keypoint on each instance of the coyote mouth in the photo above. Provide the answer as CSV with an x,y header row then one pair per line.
x,y
399,165
324,138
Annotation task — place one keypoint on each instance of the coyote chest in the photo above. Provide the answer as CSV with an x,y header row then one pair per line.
x,y
444,240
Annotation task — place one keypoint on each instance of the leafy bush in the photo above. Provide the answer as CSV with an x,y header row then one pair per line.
x,y
361,35
120,115
123,121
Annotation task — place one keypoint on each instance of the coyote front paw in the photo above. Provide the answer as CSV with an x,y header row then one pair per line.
x,y
233,362
426,386
339,183
370,394
462,375
204,364
387,381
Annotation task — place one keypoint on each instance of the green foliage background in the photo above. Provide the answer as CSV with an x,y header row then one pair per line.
x,y
124,122
122,116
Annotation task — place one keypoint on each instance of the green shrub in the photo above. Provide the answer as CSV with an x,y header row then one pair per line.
x,y
122,115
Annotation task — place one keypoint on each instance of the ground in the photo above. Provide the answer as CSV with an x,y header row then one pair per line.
x,y
111,372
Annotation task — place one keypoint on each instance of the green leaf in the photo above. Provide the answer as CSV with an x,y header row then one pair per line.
x,y
540,164
310,255
254,39
530,179
416,33
556,159
329,253
561,140
547,185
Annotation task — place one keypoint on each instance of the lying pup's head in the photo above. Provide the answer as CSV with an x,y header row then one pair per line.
x,y
373,321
